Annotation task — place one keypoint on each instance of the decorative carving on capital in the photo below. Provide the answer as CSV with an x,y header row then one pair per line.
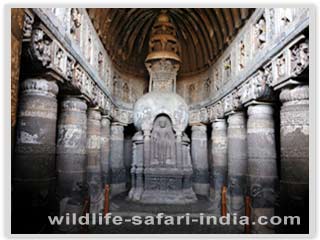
x,y
198,116
41,46
122,116
216,111
232,102
255,88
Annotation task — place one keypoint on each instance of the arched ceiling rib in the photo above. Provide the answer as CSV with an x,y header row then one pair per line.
x,y
203,34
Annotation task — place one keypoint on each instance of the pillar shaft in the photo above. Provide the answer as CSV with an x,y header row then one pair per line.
x,y
137,167
262,166
219,160
71,150
118,172
34,157
294,140
237,162
105,149
199,155
94,174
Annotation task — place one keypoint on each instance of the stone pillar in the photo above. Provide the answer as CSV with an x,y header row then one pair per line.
x,y
262,166
294,140
105,149
188,192
128,158
71,155
199,156
94,174
219,161
137,167
118,171
34,157
237,162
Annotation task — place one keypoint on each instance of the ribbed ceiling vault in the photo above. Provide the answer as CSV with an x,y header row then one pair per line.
x,y
203,34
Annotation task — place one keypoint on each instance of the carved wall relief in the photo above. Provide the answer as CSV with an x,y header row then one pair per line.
x,y
75,19
260,31
207,88
227,67
242,55
100,64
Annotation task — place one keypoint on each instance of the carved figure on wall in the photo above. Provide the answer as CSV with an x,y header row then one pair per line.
x,y
286,16
281,66
125,92
59,60
227,67
207,88
192,93
100,63
242,55
260,33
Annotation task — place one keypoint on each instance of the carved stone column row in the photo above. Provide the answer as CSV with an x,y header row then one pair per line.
x,y
246,147
60,169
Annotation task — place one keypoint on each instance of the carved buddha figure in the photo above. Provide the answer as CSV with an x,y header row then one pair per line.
x,y
163,142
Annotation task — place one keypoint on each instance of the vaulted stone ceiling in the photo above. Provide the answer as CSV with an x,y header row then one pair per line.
x,y
203,34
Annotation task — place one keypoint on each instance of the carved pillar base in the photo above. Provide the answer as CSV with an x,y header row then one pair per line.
x,y
34,156
94,174
199,156
294,139
262,164
71,156
118,171
219,161
237,162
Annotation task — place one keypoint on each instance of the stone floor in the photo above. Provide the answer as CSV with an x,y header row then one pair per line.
x,y
120,206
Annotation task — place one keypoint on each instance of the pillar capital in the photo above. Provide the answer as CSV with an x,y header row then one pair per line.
x,y
94,114
39,86
299,93
73,103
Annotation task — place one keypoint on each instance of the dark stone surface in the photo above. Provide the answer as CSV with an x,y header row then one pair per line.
x,y
34,156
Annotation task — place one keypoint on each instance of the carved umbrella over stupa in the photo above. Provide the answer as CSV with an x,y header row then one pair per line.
x,y
163,60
